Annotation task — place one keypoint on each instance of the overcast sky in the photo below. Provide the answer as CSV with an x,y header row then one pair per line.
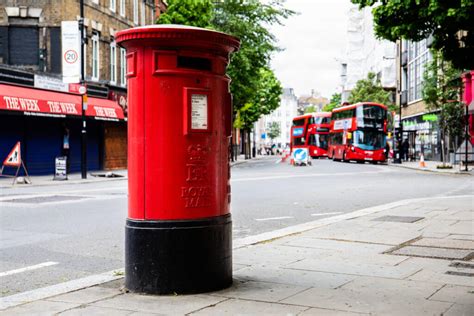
x,y
312,42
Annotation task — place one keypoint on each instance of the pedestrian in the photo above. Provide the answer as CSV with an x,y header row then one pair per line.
x,y
405,147
65,147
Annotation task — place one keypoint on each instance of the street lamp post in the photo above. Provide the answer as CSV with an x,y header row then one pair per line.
x,y
83,98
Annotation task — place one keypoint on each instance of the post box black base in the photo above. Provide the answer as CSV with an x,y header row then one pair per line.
x,y
182,257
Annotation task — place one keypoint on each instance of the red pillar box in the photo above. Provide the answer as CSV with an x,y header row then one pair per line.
x,y
178,231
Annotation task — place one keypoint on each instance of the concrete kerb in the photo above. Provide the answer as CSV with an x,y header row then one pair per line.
x,y
448,172
94,280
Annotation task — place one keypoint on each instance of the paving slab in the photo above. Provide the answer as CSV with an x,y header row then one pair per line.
x,y
356,247
455,294
393,288
367,301
40,308
180,304
96,311
328,312
461,236
294,277
85,296
445,243
432,252
441,278
260,291
398,219
460,310
353,268
275,254
243,307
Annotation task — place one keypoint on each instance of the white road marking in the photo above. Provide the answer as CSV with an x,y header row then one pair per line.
x,y
37,266
307,175
272,218
324,214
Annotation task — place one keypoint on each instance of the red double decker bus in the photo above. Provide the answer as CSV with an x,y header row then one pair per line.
x,y
359,132
311,131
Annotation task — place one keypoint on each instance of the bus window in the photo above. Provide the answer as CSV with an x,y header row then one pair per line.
x,y
298,141
299,122
369,140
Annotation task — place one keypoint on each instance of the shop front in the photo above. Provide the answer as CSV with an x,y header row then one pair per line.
x,y
423,135
48,125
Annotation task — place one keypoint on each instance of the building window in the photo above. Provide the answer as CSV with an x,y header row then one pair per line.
x,y
113,5
95,56
418,56
122,7
135,11
23,45
143,21
113,63
123,67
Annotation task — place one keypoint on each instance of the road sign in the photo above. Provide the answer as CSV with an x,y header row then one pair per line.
x,y
14,157
71,48
300,156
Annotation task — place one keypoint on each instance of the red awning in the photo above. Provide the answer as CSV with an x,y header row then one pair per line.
x,y
39,102
103,109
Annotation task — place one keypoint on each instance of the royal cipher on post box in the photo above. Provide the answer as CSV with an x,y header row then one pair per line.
x,y
178,230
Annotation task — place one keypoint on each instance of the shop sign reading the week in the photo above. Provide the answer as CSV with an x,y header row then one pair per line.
x,y
199,111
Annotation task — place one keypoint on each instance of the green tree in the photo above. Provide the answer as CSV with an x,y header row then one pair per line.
x,y
334,102
188,12
440,92
310,109
265,99
448,22
274,130
371,90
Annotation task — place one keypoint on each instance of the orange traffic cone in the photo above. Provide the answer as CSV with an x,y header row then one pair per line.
x,y
422,161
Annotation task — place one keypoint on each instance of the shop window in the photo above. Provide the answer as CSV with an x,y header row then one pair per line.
x,y
95,56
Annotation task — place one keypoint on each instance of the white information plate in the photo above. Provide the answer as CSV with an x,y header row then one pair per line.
x,y
199,111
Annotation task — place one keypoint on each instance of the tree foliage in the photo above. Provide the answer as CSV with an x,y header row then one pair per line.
x,y
449,22
255,89
265,99
371,90
188,12
440,92
310,109
249,21
274,130
334,102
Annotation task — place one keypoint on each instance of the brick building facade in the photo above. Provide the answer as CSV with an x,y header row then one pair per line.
x,y
30,48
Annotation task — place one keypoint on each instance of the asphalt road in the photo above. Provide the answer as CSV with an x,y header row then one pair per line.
x,y
52,234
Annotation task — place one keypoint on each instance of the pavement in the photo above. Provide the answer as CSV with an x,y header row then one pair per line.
x,y
410,257
431,166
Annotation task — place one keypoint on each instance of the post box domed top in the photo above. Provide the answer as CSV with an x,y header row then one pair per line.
x,y
170,35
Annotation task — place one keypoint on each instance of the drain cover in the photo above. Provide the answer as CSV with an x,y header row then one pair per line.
x,y
432,252
46,199
398,219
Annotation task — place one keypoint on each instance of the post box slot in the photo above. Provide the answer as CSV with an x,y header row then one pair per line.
x,y
197,63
